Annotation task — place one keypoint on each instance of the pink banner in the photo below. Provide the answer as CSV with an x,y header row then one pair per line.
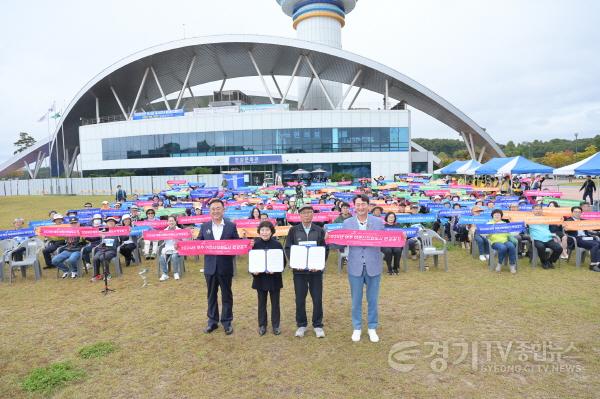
x,y
332,215
96,231
345,183
59,231
244,223
367,238
144,203
292,183
158,235
193,219
155,224
590,215
536,193
429,193
317,217
171,182
279,207
214,247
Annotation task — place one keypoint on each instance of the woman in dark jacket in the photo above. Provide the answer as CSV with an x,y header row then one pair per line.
x,y
106,250
267,283
392,252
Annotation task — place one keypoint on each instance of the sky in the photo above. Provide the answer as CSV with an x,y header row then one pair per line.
x,y
523,70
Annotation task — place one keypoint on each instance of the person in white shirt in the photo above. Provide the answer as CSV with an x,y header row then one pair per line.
x,y
169,253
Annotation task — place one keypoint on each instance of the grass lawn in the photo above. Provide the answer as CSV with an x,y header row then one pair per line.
x,y
158,350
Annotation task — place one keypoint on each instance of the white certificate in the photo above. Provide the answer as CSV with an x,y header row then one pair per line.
x,y
262,261
304,258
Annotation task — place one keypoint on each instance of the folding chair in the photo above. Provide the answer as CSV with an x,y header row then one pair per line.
x,y
33,247
426,238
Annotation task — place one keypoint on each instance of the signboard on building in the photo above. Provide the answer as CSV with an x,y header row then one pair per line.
x,y
255,160
158,114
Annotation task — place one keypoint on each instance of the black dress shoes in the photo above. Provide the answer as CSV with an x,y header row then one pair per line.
x,y
210,329
276,330
595,268
228,330
262,330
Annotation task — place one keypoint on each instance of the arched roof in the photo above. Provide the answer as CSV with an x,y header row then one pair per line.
x,y
227,56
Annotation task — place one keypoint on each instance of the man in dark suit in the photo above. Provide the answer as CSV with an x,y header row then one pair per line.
x,y
218,269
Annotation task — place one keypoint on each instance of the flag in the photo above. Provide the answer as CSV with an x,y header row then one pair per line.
x,y
55,115
51,109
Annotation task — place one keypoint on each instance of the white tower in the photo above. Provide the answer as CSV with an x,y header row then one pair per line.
x,y
319,21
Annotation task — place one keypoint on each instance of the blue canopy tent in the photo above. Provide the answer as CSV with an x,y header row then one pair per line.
x,y
468,168
589,166
511,166
451,168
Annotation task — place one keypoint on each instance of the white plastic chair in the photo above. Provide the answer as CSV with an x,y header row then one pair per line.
x,y
426,238
33,247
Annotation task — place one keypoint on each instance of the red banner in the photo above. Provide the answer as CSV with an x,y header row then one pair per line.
x,y
158,235
96,231
193,219
243,223
317,217
367,238
171,182
59,231
155,224
537,193
214,247
144,203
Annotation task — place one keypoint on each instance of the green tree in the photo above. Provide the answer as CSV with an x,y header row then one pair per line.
x,y
25,141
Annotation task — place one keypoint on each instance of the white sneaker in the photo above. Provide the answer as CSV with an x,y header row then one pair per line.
x,y
356,335
498,268
300,331
73,275
373,335
176,276
87,266
487,257
513,269
319,332
65,275
482,258
164,277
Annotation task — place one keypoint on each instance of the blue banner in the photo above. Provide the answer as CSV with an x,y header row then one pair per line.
x,y
410,232
454,212
474,219
138,230
114,212
6,234
419,218
499,228
186,205
334,226
84,211
158,114
38,223
275,214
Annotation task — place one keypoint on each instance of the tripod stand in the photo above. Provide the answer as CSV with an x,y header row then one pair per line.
x,y
106,290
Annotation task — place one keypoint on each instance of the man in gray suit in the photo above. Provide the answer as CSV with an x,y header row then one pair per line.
x,y
364,268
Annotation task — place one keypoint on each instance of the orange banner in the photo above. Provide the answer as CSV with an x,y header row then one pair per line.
x,y
557,212
280,231
582,225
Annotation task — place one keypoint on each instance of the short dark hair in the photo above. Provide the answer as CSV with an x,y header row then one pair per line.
x,y
497,211
215,201
363,197
390,213
576,207
266,223
343,204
